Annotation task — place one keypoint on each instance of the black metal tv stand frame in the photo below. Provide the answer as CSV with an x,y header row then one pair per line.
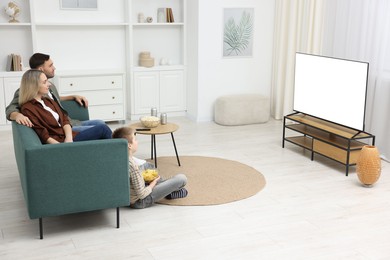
x,y
339,143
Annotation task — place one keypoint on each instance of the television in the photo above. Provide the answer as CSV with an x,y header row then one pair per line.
x,y
332,89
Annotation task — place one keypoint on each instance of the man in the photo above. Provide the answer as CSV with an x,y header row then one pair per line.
x,y
43,62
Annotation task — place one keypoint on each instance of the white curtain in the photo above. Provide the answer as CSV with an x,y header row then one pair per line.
x,y
350,29
298,28
360,30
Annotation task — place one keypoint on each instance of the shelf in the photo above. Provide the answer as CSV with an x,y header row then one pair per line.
x,y
336,142
302,141
80,24
14,24
159,68
156,24
327,126
326,137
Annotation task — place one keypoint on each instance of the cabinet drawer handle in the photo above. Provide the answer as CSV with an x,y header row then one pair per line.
x,y
112,82
113,112
113,97
71,84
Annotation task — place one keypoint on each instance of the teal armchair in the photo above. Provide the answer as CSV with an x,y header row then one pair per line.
x,y
59,179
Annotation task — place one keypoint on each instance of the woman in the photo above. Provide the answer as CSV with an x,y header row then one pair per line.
x,y
50,122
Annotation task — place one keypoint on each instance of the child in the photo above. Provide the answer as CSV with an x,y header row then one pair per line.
x,y
142,195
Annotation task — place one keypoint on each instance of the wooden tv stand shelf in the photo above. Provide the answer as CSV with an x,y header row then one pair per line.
x,y
336,142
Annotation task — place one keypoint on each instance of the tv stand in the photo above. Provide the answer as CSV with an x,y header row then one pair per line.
x,y
336,142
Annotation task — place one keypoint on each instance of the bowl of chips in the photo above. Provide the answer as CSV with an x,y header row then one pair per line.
x,y
150,121
149,175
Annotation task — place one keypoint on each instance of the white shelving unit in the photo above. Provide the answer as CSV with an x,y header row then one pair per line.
x,y
107,39
161,86
90,43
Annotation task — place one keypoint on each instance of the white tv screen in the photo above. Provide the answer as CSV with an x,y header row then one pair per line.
x,y
331,89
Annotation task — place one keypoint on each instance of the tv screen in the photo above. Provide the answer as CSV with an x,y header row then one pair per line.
x,y
330,88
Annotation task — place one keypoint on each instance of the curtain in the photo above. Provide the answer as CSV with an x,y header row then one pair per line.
x,y
298,28
349,29
360,30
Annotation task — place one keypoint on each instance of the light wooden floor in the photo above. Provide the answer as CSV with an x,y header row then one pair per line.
x,y
308,209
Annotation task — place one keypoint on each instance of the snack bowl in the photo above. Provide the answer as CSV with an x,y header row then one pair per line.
x,y
149,175
150,121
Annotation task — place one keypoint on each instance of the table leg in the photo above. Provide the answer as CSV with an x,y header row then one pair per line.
x,y
174,145
155,150
151,147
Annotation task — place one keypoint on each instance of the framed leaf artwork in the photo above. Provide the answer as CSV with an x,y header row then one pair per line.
x,y
238,32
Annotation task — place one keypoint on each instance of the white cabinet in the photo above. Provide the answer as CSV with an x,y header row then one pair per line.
x,y
162,89
172,91
146,92
105,92
9,83
162,85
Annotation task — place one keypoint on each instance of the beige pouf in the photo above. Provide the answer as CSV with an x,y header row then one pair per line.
x,y
241,109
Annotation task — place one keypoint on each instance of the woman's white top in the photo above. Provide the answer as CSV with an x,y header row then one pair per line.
x,y
55,114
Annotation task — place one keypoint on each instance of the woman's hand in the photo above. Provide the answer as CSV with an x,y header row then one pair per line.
x,y
52,141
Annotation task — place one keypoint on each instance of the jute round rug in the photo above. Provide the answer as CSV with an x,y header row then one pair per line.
x,y
211,180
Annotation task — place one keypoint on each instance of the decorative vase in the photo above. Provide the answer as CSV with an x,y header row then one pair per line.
x,y
368,165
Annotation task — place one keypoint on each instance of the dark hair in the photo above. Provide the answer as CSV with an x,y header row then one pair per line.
x,y
38,59
124,132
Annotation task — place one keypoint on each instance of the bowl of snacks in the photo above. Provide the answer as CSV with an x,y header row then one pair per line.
x,y
150,121
149,175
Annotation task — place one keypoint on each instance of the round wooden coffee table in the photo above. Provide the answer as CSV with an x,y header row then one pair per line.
x,y
168,128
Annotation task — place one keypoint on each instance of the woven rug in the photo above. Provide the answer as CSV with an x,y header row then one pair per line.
x,y
212,181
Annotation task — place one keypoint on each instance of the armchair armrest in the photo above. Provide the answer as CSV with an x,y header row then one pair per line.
x,y
75,111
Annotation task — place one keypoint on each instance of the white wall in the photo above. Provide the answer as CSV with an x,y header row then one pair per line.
x,y
217,76
192,58
89,47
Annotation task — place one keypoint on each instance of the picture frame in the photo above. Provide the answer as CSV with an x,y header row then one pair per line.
x,y
238,25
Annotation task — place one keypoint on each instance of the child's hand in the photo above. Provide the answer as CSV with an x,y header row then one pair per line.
x,y
154,182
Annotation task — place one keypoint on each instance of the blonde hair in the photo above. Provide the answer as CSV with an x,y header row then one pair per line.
x,y
124,132
29,86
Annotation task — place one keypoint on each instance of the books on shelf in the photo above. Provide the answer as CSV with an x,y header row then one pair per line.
x,y
165,15
170,18
14,62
